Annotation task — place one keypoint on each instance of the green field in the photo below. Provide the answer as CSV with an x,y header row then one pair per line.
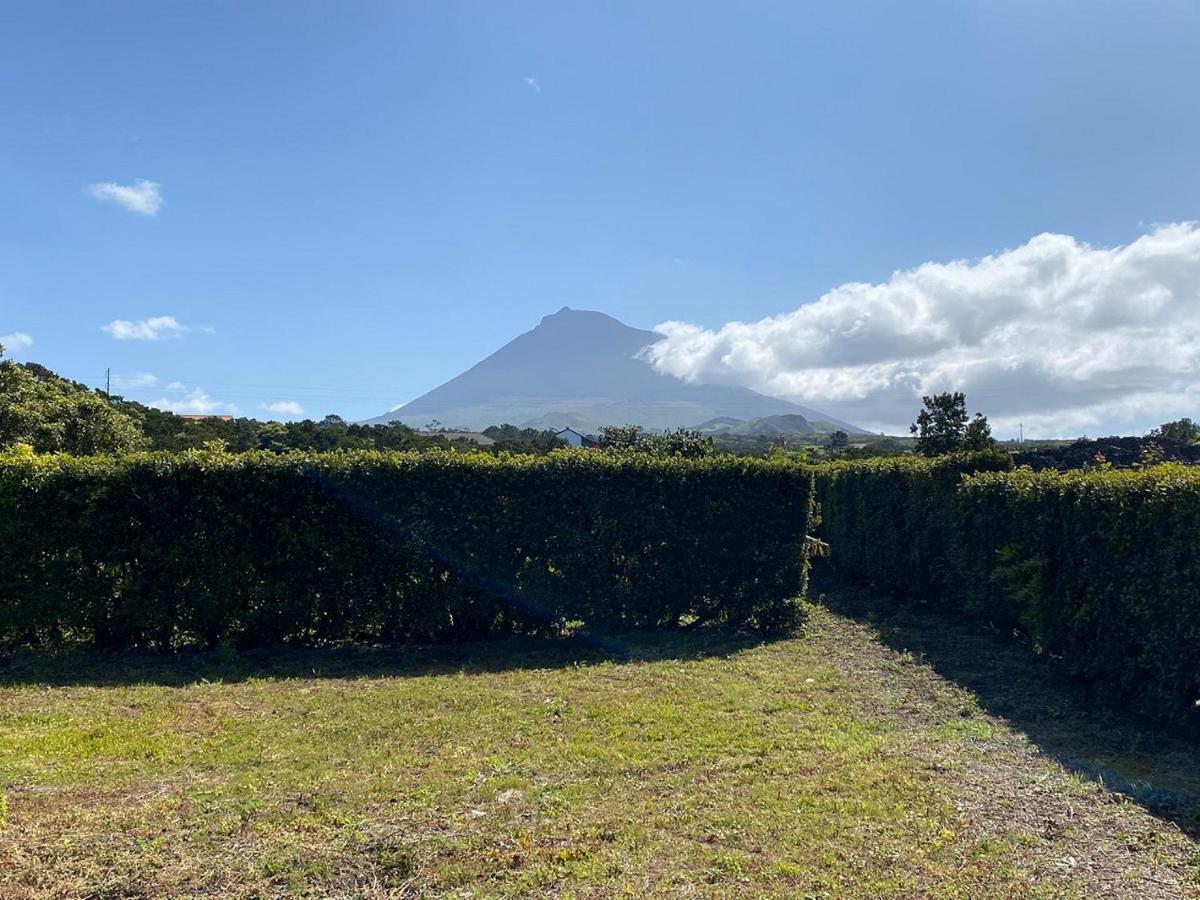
x,y
832,763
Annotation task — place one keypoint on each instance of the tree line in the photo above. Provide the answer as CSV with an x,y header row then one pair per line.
x,y
52,414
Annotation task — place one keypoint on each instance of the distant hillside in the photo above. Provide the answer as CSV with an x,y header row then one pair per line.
x,y
584,370
786,424
773,426
719,425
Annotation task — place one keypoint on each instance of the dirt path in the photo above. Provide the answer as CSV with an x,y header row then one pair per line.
x,y
1109,799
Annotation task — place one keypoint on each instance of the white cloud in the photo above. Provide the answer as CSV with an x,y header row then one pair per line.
x,y
284,408
196,401
152,329
1056,334
16,342
135,380
142,197
533,83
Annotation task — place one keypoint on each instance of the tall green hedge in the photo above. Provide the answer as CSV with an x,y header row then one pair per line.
x,y
892,521
1101,569
169,550
1098,569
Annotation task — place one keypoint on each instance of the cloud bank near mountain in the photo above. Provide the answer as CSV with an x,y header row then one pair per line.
x,y
1059,335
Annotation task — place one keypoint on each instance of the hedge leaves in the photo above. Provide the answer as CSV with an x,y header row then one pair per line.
x,y
157,550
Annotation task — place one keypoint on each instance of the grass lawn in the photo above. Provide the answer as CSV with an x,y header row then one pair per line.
x,y
830,764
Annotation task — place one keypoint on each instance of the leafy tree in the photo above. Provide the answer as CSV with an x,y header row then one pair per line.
x,y
943,426
783,453
512,439
978,434
683,442
675,442
625,437
54,415
839,441
1182,431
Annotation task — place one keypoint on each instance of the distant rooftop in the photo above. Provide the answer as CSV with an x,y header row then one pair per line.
x,y
473,436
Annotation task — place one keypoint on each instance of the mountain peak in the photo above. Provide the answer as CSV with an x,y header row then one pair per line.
x,y
575,316
582,365
563,313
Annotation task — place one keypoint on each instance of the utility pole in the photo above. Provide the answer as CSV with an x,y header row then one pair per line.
x,y
1021,425
108,384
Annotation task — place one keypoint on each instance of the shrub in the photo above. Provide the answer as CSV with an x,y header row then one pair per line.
x,y
891,520
1099,569
51,414
672,442
156,550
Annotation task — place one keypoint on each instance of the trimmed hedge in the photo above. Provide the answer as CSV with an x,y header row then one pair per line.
x,y
1099,569
891,520
157,550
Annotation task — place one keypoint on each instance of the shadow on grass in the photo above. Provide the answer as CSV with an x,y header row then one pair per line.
x,y
112,669
1140,760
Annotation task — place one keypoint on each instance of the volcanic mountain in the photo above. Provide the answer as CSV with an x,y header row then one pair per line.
x,y
583,370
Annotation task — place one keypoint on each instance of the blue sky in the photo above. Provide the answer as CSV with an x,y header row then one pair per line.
x,y
357,201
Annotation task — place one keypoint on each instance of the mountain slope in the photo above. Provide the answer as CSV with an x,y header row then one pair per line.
x,y
583,368
776,425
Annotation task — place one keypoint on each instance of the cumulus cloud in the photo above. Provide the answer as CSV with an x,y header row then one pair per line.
x,y
284,408
142,197
1062,336
194,401
134,380
16,342
153,329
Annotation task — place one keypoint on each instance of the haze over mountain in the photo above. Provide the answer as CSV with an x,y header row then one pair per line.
x,y
584,370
